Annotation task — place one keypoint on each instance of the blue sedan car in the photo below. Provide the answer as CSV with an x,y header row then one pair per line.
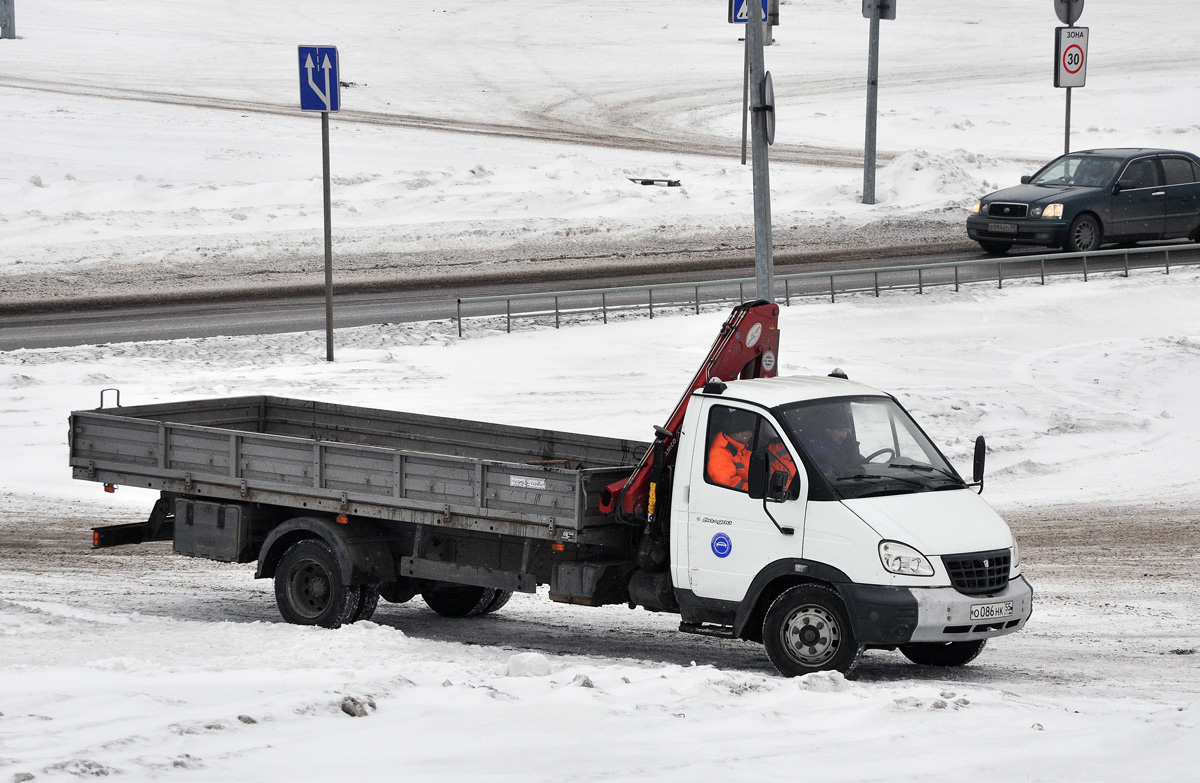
x,y
1085,199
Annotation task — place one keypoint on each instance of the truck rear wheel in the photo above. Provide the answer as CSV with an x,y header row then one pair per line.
x,y
309,589
367,604
806,630
944,653
459,600
499,601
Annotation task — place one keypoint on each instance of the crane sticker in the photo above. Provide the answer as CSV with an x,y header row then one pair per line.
x,y
722,545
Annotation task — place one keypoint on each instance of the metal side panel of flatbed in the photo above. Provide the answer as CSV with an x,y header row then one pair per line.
x,y
343,459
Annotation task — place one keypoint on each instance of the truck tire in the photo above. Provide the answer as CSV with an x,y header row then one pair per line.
x,y
944,653
368,602
498,602
806,630
309,589
459,600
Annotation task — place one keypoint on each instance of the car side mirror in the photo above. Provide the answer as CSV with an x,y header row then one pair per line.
x,y
756,479
1124,184
980,457
1026,179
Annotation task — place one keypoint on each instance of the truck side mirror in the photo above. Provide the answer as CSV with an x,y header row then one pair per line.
x,y
756,479
777,486
980,457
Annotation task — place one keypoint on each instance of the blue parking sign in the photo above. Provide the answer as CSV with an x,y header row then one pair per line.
x,y
739,11
319,78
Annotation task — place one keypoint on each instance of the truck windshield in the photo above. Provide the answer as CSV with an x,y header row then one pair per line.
x,y
1082,171
866,446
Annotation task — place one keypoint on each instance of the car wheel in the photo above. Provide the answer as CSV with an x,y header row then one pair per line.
x,y
1084,235
943,654
995,248
806,629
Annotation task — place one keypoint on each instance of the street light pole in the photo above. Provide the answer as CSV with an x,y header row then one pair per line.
x,y
764,263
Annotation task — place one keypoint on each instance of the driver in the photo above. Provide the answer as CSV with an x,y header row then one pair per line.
x,y
831,444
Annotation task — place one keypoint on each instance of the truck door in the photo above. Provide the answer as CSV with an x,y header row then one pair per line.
x,y
730,536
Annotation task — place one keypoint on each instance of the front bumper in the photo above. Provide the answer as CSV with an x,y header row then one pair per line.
x,y
1029,231
902,615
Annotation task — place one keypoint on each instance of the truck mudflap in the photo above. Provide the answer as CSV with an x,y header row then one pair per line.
x,y
362,549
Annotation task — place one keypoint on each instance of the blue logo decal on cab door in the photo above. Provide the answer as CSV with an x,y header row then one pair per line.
x,y
722,545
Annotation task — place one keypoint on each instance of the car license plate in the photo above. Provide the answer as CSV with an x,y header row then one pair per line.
x,y
1002,228
991,611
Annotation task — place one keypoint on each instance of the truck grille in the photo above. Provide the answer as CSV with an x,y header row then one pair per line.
x,y
1006,210
978,572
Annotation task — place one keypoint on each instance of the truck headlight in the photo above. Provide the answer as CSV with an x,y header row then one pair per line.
x,y
902,559
1052,211
1016,555
975,209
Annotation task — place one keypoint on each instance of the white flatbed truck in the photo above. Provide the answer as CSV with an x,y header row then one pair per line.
x,y
814,557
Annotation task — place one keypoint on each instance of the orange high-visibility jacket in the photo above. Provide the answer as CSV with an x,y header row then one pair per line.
x,y
728,462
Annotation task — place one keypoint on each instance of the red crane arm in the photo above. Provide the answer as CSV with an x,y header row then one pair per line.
x,y
747,347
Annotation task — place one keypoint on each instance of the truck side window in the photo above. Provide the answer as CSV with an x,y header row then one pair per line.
x,y
733,434
730,440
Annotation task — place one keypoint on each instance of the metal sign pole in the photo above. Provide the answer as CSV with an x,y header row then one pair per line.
x,y
319,85
872,110
745,94
764,263
8,18
328,239
1067,142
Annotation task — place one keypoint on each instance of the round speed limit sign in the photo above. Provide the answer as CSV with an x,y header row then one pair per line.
x,y
1070,56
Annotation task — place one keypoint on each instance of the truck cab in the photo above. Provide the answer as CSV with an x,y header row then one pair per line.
x,y
846,528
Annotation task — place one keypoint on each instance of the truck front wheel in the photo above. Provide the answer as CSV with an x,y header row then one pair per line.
x,y
806,630
944,653
309,589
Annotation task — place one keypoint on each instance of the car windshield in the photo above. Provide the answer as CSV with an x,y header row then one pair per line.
x,y
866,446
1082,171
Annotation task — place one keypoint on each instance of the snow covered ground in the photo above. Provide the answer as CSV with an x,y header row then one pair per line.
x,y
162,146
141,663
148,145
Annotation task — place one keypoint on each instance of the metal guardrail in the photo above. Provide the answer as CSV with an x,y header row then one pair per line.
x,y
789,286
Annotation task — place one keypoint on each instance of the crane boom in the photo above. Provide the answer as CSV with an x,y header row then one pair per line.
x,y
747,347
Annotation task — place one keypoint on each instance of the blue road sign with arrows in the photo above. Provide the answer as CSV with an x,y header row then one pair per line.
x,y
319,78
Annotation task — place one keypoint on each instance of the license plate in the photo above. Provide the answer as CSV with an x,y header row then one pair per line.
x,y
991,611
1002,228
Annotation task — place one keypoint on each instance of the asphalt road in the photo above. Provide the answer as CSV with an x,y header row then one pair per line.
x,y
257,313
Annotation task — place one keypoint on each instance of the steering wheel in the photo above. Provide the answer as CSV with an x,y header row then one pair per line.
x,y
891,454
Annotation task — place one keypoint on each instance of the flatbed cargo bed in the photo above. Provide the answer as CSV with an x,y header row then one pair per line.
x,y
342,459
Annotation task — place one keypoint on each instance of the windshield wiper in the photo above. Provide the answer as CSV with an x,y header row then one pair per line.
x,y
878,477
929,468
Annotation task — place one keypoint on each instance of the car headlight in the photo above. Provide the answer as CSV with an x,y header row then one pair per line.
x,y
975,209
1016,555
1051,211
902,559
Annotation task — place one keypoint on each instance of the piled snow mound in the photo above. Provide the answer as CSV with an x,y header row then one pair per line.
x,y
526,665
940,181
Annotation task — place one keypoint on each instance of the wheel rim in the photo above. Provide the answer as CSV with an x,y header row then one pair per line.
x,y
1085,236
811,635
309,589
